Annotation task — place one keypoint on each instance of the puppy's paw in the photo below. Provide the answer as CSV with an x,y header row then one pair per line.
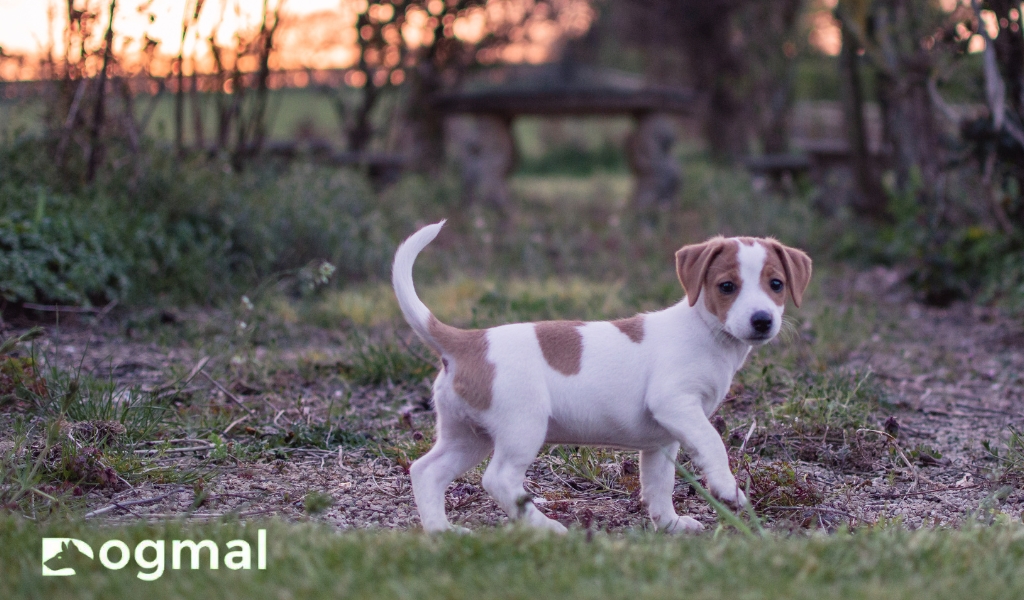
x,y
551,525
680,524
560,529
447,528
730,494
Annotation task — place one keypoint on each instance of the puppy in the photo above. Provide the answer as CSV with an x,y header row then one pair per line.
x,y
646,383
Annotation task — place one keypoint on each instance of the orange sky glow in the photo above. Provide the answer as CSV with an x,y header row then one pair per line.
x,y
315,34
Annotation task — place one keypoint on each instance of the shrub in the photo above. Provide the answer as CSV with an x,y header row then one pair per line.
x,y
191,231
58,256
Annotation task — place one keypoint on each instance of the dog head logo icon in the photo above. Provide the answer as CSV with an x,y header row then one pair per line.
x,y
62,555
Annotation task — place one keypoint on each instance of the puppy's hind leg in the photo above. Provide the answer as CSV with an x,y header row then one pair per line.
x,y
514,449
657,479
458,449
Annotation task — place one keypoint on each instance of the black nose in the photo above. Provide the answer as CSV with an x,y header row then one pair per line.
x,y
761,321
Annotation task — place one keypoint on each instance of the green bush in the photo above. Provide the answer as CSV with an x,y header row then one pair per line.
x,y
951,252
63,257
184,231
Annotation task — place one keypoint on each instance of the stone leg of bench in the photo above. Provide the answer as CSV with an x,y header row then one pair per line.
x,y
486,155
657,174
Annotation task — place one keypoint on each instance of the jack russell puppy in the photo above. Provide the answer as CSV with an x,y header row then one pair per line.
x,y
646,383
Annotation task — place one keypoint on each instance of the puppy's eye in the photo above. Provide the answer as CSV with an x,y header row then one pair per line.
x,y
776,285
727,287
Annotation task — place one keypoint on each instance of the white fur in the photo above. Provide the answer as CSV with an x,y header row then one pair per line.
x,y
653,397
752,297
413,309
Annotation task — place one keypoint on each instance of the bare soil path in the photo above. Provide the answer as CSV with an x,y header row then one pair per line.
x,y
954,379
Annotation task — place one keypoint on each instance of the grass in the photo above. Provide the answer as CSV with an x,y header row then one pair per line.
x,y
380,363
1008,456
309,560
834,399
600,467
70,433
477,302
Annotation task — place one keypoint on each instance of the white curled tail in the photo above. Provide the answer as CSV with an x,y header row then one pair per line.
x,y
415,312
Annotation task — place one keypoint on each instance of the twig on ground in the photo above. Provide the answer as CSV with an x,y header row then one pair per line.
x,y
207,515
174,441
176,450
58,308
228,393
235,422
186,379
750,432
819,509
926,492
892,440
125,505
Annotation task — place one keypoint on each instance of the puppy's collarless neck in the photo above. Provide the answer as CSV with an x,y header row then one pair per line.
x,y
715,330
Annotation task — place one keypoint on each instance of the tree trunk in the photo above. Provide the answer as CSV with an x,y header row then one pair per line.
x,y
95,143
912,132
870,200
425,125
199,140
1009,48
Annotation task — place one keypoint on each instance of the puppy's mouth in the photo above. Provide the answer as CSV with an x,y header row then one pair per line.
x,y
757,338
753,338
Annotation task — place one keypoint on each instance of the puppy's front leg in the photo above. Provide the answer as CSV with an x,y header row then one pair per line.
x,y
684,418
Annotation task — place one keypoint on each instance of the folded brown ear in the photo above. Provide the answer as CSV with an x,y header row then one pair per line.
x,y
797,266
692,264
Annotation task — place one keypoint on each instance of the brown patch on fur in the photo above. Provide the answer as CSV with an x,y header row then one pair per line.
x,y
692,263
633,327
474,374
562,345
726,267
795,265
773,269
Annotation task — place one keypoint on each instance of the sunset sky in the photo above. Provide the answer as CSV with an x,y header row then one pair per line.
x,y
25,23
316,33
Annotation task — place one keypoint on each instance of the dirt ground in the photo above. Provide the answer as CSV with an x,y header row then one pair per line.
x,y
954,377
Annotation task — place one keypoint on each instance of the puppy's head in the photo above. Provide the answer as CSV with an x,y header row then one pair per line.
x,y
744,282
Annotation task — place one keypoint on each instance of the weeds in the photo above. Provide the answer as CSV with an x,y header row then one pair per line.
x,y
1009,458
379,363
315,503
80,436
596,470
99,406
832,400
406,449
301,435
23,470
819,417
776,484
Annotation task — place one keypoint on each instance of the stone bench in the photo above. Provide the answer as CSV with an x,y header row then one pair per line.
x,y
486,154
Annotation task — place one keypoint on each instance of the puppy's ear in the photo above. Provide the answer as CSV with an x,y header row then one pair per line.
x,y
797,266
692,264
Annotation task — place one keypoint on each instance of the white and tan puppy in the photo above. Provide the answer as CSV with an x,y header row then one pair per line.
x,y
647,383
